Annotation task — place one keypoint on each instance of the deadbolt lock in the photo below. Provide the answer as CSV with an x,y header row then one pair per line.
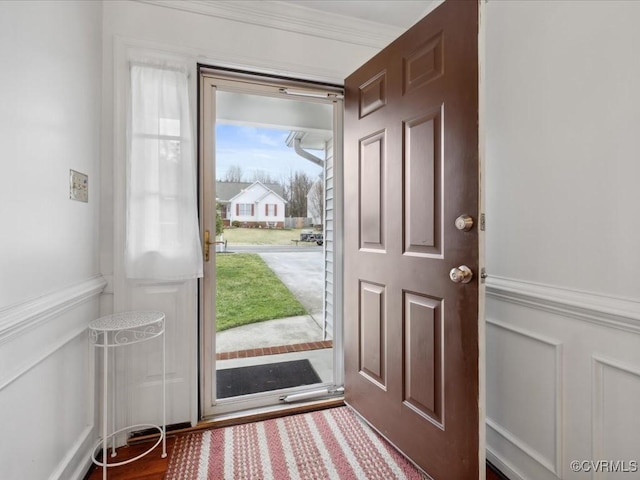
x,y
464,223
462,274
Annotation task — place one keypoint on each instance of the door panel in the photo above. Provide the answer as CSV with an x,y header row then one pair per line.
x,y
411,168
423,356
371,202
372,332
423,184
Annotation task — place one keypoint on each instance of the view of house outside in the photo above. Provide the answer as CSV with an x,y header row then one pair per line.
x,y
261,183
267,196
270,264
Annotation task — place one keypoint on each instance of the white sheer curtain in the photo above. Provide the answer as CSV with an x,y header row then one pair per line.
x,y
162,235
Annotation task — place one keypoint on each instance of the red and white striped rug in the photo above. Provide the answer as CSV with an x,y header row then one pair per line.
x,y
328,444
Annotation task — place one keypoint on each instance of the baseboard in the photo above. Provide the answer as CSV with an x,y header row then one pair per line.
x,y
70,470
504,469
497,472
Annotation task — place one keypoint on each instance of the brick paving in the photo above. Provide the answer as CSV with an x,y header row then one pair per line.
x,y
258,352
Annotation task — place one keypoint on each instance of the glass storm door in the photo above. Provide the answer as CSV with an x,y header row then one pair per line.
x,y
269,183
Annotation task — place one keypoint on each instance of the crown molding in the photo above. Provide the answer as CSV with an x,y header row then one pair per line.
x,y
291,18
130,49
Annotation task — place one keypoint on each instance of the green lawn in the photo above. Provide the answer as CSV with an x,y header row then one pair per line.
x,y
247,291
264,236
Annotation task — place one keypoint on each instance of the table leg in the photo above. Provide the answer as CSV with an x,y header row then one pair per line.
x,y
114,389
105,405
164,391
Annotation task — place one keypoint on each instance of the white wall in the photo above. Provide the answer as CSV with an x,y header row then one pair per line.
x,y
243,35
563,311
561,137
50,81
49,124
563,304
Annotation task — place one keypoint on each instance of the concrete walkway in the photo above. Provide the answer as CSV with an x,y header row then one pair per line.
x,y
271,333
302,273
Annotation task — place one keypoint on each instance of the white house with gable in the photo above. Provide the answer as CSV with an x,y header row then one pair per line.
x,y
257,205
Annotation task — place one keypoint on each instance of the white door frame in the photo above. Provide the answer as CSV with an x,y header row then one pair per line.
x,y
209,81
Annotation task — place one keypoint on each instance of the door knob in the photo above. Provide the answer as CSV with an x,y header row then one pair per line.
x,y
464,223
462,274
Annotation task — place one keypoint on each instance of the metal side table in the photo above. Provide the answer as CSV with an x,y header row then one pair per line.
x,y
118,330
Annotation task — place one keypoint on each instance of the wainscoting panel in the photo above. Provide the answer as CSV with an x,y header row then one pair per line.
x,y
140,365
47,383
563,380
510,352
615,415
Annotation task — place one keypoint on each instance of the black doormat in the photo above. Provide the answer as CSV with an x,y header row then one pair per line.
x,y
232,382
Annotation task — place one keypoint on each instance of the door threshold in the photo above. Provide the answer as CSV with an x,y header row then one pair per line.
x,y
247,416
266,413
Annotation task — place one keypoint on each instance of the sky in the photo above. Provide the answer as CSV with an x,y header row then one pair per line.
x,y
255,149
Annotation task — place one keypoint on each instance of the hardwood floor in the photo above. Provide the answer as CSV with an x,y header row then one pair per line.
x,y
149,467
153,466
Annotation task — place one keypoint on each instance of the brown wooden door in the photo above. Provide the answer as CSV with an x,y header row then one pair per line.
x,y
411,168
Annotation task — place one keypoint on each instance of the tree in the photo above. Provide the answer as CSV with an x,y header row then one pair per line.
x,y
219,223
263,177
296,188
286,195
233,174
316,199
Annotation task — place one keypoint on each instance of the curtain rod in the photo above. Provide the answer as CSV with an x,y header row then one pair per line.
x,y
184,69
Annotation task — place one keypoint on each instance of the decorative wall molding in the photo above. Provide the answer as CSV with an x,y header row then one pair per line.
x,y
108,288
54,330
292,18
18,318
598,366
7,378
555,465
612,312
